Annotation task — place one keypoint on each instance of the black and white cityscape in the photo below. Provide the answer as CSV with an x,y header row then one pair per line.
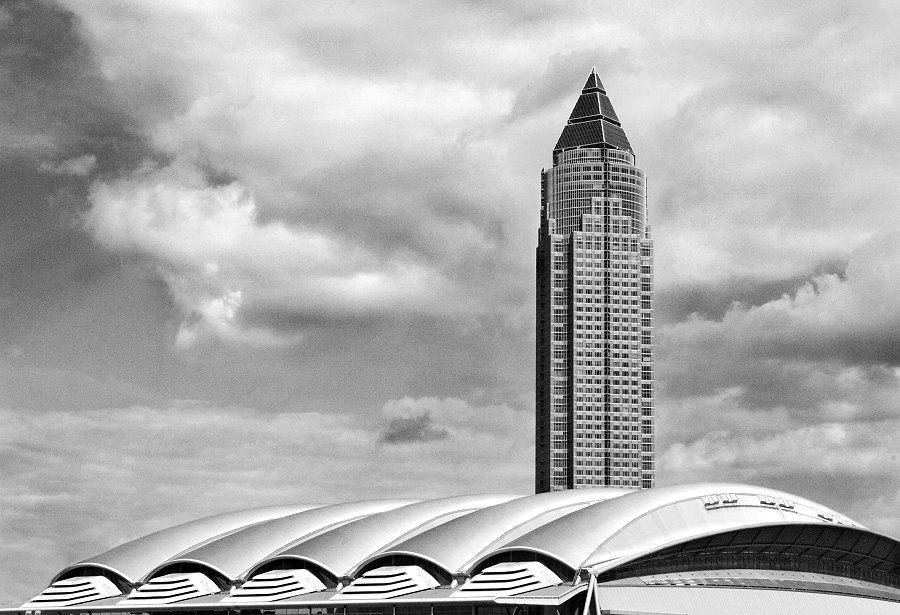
x,y
375,258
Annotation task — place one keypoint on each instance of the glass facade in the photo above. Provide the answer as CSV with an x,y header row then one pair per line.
x,y
594,368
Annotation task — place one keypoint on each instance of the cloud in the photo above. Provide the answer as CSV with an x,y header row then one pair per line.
x,y
412,429
846,320
780,167
712,300
81,166
215,255
217,318
395,163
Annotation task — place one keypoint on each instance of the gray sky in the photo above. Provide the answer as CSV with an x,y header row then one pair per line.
x,y
269,252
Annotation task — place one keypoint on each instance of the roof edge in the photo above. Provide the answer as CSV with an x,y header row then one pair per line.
x,y
86,563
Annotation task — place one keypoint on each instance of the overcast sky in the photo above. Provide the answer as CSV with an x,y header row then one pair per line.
x,y
268,252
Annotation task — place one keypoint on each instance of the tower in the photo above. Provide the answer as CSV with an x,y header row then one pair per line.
x,y
594,367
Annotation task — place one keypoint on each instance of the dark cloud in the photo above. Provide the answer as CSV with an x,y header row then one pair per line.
x,y
56,103
376,192
712,300
868,348
402,430
57,115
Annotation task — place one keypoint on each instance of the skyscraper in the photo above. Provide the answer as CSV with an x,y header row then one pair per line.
x,y
594,368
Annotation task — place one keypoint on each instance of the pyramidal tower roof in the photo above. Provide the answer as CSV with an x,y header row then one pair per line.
x,y
593,122
593,82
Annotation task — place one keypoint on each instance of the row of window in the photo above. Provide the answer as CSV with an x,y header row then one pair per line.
x,y
617,473
596,431
620,451
572,190
583,241
593,153
615,415
571,176
564,179
610,167
615,462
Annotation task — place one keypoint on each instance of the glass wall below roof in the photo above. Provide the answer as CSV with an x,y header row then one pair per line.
x,y
580,175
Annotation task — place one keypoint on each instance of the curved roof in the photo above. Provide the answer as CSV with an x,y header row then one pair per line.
x,y
657,517
133,560
233,554
457,543
340,550
606,532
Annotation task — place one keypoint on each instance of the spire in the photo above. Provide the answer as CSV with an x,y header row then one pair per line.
x,y
593,82
593,122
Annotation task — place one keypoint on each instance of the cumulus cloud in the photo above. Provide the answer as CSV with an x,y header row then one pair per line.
x,y
826,354
395,164
215,255
217,318
849,320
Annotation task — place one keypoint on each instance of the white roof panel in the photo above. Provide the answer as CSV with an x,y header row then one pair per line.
x,y
133,560
657,517
457,543
341,549
234,554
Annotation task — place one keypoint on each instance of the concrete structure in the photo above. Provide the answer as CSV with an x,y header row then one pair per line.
x,y
594,367
699,549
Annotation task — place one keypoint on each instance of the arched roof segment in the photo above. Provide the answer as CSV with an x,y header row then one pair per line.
x,y
135,559
341,549
233,554
455,545
622,527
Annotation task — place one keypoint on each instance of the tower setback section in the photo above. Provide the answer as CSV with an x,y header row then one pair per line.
x,y
594,342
